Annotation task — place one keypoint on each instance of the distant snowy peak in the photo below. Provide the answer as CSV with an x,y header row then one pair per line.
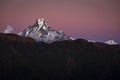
x,y
111,42
9,29
41,32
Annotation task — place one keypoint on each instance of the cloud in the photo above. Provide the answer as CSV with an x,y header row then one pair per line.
x,y
9,29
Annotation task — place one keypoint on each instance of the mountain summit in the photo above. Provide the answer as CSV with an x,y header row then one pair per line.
x,y
111,42
41,32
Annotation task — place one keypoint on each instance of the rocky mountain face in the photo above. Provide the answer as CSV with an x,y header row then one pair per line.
x,y
41,32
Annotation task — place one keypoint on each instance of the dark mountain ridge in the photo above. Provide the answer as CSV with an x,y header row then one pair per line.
x,y
63,60
11,37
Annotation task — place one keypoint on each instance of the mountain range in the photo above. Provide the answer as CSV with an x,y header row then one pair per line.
x,y
41,32
41,53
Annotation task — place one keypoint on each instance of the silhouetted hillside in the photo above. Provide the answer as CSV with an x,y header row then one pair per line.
x,y
65,60
10,37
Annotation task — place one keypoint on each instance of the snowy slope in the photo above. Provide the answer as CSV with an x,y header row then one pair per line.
x,y
40,31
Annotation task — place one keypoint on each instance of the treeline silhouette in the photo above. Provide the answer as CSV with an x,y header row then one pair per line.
x,y
64,60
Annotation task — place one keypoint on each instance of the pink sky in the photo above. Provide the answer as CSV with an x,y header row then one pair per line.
x,y
90,19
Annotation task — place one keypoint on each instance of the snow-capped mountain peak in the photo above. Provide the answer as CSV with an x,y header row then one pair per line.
x,y
42,24
9,29
40,31
111,42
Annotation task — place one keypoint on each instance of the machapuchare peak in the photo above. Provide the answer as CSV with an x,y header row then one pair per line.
x,y
41,32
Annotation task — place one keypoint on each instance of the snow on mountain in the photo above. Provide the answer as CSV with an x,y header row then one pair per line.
x,y
20,33
9,29
111,42
40,31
